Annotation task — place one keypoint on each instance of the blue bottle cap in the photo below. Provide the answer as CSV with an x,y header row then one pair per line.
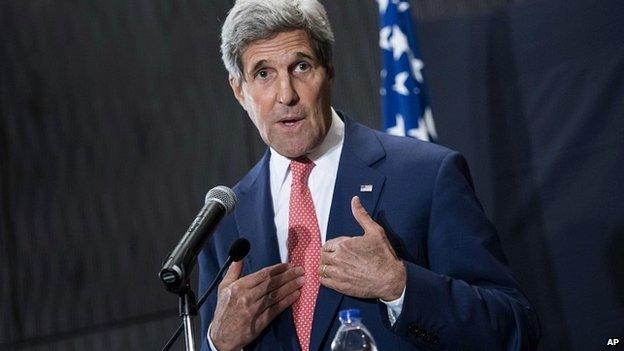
x,y
347,316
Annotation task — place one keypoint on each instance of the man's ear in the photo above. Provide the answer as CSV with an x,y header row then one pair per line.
x,y
330,72
237,89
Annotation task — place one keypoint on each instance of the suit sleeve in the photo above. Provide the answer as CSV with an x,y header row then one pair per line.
x,y
467,298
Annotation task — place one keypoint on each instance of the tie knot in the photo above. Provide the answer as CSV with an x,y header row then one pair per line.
x,y
301,168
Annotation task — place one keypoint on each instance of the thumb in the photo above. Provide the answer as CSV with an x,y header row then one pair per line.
x,y
362,217
233,273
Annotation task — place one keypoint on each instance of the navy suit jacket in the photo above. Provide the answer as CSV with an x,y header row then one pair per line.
x,y
460,293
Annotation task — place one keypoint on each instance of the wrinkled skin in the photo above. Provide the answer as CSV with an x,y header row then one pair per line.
x,y
286,92
363,266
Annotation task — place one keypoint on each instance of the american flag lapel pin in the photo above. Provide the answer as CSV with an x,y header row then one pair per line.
x,y
366,188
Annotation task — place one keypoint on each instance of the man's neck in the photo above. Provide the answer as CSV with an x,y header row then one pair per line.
x,y
332,140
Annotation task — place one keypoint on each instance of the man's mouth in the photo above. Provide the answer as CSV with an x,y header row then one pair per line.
x,y
290,121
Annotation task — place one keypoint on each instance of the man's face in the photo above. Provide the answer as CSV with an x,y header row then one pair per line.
x,y
286,92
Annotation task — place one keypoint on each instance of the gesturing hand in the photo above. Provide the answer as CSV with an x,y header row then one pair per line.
x,y
363,266
246,305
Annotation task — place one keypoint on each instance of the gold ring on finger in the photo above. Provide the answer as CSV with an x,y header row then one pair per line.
x,y
323,271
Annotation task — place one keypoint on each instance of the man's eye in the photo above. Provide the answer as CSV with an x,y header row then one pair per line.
x,y
303,66
262,74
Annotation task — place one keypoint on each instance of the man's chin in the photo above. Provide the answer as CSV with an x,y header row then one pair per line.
x,y
292,151
292,154
296,146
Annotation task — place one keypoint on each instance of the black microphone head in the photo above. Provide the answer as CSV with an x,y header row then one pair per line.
x,y
239,249
223,195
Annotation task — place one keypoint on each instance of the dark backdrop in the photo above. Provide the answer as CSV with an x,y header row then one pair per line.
x,y
116,118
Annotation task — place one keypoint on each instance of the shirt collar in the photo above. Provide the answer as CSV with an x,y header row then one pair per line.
x,y
325,154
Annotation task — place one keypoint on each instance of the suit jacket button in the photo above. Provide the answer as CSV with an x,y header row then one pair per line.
x,y
412,328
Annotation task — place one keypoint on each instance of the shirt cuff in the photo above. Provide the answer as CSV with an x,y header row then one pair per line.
x,y
212,347
394,307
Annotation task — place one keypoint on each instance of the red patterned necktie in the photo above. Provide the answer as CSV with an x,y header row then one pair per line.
x,y
304,246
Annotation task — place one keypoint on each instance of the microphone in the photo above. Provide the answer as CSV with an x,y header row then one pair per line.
x,y
238,250
220,200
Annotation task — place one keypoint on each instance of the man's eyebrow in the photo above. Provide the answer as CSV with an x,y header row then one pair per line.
x,y
300,54
257,65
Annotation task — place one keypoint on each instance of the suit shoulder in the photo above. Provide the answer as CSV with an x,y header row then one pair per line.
x,y
249,179
408,149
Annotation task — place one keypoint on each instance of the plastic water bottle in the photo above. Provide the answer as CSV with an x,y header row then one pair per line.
x,y
352,334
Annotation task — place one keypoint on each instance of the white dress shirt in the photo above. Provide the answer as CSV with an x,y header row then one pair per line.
x,y
321,181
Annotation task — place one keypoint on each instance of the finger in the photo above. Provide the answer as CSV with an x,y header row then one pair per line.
x,y
264,274
322,270
276,282
330,272
233,273
339,279
276,295
332,245
328,282
328,258
362,217
332,278
274,310
339,286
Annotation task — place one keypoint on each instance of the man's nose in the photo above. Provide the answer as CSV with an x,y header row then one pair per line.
x,y
287,94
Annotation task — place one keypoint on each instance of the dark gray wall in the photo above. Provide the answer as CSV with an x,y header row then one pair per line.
x,y
116,118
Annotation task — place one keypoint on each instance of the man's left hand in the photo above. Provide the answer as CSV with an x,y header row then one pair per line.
x,y
363,266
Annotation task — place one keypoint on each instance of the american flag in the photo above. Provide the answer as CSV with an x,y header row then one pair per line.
x,y
405,102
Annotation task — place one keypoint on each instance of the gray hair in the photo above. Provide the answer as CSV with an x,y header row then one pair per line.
x,y
252,20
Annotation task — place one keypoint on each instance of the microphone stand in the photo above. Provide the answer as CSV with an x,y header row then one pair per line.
x,y
178,265
188,309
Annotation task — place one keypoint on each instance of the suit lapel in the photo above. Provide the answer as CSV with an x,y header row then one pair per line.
x,y
255,222
254,217
360,150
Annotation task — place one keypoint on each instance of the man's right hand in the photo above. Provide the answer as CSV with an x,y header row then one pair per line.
x,y
246,305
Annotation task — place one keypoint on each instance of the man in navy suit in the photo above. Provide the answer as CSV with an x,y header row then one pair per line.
x,y
396,230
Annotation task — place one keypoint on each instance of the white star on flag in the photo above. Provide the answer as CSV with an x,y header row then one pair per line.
x,y
403,6
398,41
384,38
420,132
417,66
399,128
399,83
383,5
